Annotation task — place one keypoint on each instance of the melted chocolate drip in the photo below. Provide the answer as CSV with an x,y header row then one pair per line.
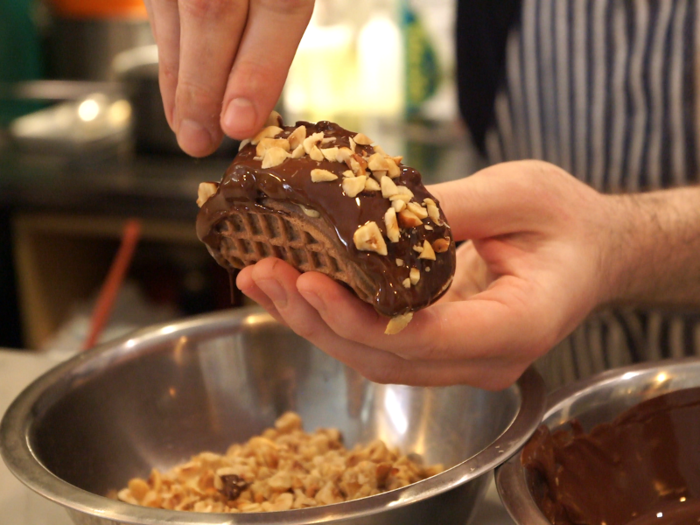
x,y
642,468
245,186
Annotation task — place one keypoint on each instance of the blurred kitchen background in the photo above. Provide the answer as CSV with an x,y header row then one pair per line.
x,y
84,146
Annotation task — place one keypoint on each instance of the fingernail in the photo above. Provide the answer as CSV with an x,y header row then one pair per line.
x,y
313,299
240,116
194,138
274,291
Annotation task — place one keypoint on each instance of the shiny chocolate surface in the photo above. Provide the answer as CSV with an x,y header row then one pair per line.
x,y
246,185
643,468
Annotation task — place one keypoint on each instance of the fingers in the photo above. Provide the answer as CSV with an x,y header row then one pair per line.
x,y
499,321
165,23
277,280
272,34
246,284
210,34
507,198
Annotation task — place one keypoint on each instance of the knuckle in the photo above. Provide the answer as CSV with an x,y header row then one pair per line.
x,y
286,6
195,95
205,9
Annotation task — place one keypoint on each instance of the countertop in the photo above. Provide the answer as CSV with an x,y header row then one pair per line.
x,y
21,506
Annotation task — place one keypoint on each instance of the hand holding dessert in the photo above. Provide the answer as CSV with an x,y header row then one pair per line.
x,y
545,250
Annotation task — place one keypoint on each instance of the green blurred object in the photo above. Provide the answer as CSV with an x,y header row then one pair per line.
x,y
20,54
422,64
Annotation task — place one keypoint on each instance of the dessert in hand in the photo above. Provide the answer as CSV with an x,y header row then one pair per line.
x,y
329,200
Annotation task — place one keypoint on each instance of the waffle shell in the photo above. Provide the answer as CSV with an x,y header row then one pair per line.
x,y
283,230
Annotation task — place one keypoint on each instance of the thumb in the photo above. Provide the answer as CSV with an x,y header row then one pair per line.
x,y
501,199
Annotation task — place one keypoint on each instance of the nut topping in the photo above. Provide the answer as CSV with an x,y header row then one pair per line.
x,y
428,252
433,211
267,143
353,186
428,227
388,187
418,210
330,154
377,163
298,152
343,155
408,219
319,175
274,157
398,205
274,119
348,173
403,190
406,283
394,170
357,164
399,262
372,185
297,137
309,212
243,144
398,323
353,145
380,150
316,154
362,139
206,190
441,245
368,238
270,131
392,225
414,275
311,141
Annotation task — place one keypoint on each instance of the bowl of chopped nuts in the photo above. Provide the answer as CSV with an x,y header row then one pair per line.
x,y
232,418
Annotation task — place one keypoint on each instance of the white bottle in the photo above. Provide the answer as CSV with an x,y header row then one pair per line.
x,y
380,64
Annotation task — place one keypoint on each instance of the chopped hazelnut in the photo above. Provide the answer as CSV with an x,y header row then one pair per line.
x,y
414,275
441,245
274,157
368,238
311,141
372,185
274,119
408,219
243,144
205,191
376,162
330,154
398,205
316,154
392,225
352,186
296,138
406,283
388,187
362,139
399,262
267,143
394,170
298,152
398,323
319,175
428,252
269,131
418,210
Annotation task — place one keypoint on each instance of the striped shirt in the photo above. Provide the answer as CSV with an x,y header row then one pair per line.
x,y
606,89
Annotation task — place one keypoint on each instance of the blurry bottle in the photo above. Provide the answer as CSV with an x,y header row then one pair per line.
x,y
380,63
321,82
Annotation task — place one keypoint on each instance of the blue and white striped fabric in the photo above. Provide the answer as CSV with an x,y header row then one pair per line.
x,y
606,89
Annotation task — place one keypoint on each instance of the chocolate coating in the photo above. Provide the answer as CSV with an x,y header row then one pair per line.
x,y
246,186
642,468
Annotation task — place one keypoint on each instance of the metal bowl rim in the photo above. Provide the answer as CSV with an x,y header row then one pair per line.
x,y
24,464
510,476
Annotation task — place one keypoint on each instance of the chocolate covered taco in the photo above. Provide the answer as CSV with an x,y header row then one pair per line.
x,y
325,199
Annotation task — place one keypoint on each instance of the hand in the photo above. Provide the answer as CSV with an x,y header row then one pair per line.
x,y
534,268
223,63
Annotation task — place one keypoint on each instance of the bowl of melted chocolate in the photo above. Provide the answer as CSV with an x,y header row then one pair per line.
x,y
621,448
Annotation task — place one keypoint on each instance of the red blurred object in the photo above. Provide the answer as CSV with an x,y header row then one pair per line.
x,y
115,278
100,9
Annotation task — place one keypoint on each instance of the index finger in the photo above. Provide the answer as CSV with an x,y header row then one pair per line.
x,y
271,37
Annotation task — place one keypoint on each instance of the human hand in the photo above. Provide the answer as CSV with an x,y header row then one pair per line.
x,y
534,268
223,63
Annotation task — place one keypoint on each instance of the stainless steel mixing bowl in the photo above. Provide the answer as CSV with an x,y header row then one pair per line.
x,y
592,401
165,393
